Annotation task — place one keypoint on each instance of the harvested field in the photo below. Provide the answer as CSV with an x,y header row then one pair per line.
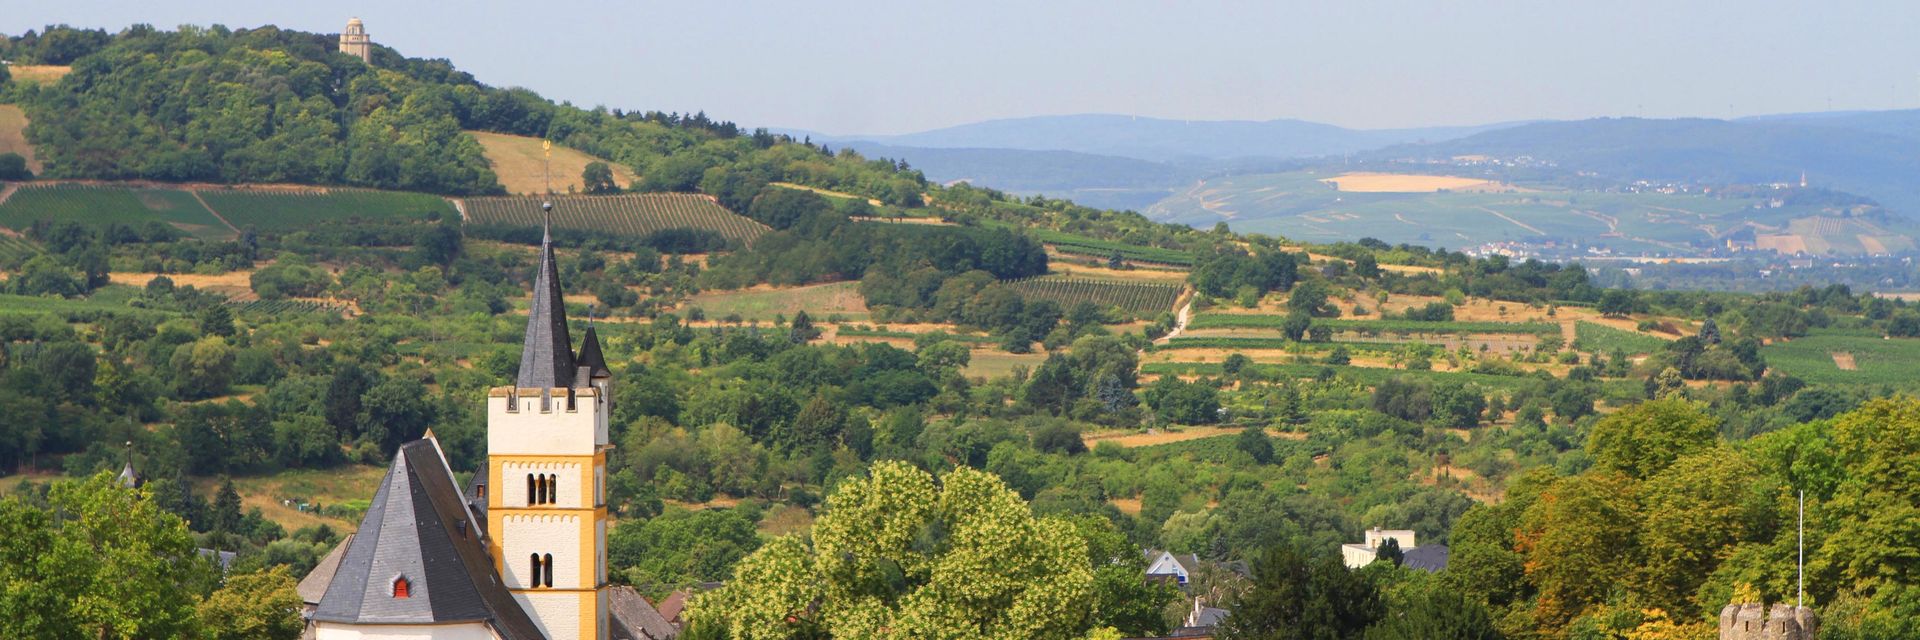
x,y
13,135
1409,183
230,283
39,73
1131,439
1844,361
521,164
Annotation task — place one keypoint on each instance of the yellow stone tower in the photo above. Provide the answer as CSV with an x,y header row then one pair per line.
x,y
355,41
546,471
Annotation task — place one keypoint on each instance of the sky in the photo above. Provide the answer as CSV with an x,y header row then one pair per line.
x,y
901,66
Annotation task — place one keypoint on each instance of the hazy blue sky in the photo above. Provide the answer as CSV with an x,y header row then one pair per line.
x,y
899,66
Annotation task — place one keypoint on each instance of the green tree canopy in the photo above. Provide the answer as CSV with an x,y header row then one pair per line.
x,y
899,553
1643,439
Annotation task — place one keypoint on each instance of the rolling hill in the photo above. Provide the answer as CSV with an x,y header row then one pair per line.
x,y
1162,140
1858,153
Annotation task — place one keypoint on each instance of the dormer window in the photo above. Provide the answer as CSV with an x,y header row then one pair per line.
x,y
402,588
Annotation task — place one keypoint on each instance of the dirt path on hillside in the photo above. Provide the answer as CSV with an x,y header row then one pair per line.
x,y
1508,218
1180,319
7,191
215,212
459,206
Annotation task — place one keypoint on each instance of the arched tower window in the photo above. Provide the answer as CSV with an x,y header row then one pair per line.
x,y
548,563
402,588
534,562
553,489
532,498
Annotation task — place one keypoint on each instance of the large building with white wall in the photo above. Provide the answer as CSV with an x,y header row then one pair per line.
x,y
521,553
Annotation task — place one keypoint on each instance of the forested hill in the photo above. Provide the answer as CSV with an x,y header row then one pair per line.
x,y
272,105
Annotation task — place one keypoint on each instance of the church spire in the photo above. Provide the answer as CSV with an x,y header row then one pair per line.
x,y
546,358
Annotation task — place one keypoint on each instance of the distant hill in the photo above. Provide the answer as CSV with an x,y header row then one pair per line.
x,y
1160,140
1089,179
1862,153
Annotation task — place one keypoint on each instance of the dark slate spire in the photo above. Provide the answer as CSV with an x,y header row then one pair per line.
x,y
590,357
418,529
546,358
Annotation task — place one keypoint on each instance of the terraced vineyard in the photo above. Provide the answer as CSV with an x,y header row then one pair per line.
x,y
632,214
1139,298
287,210
1227,342
1078,244
1875,359
104,205
1600,338
283,307
14,250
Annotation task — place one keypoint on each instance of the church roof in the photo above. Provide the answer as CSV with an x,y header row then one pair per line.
x,y
546,358
314,586
129,478
590,357
418,527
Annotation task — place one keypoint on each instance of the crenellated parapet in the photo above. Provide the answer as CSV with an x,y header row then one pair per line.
x,y
1753,621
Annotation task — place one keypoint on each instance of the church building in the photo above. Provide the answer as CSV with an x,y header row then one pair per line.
x,y
521,552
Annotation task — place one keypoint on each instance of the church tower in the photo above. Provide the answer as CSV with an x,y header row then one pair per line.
x,y
355,42
546,470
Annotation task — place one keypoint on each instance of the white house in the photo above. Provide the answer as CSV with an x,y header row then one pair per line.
x,y
1360,555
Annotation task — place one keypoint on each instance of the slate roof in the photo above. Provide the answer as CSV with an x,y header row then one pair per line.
x,y
546,358
1209,617
129,478
413,529
590,357
634,618
314,586
1429,558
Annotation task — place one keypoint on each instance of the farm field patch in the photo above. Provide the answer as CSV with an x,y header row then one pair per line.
x,y
13,135
1407,183
630,214
1875,359
521,164
292,209
757,304
95,205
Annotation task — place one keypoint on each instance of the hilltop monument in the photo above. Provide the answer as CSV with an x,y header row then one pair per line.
x,y
354,41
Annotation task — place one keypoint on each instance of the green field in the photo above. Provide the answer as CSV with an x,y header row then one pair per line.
x,y
821,301
1143,299
1082,245
631,214
291,210
1298,205
1599,338
1401,327
103,205
1879,360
